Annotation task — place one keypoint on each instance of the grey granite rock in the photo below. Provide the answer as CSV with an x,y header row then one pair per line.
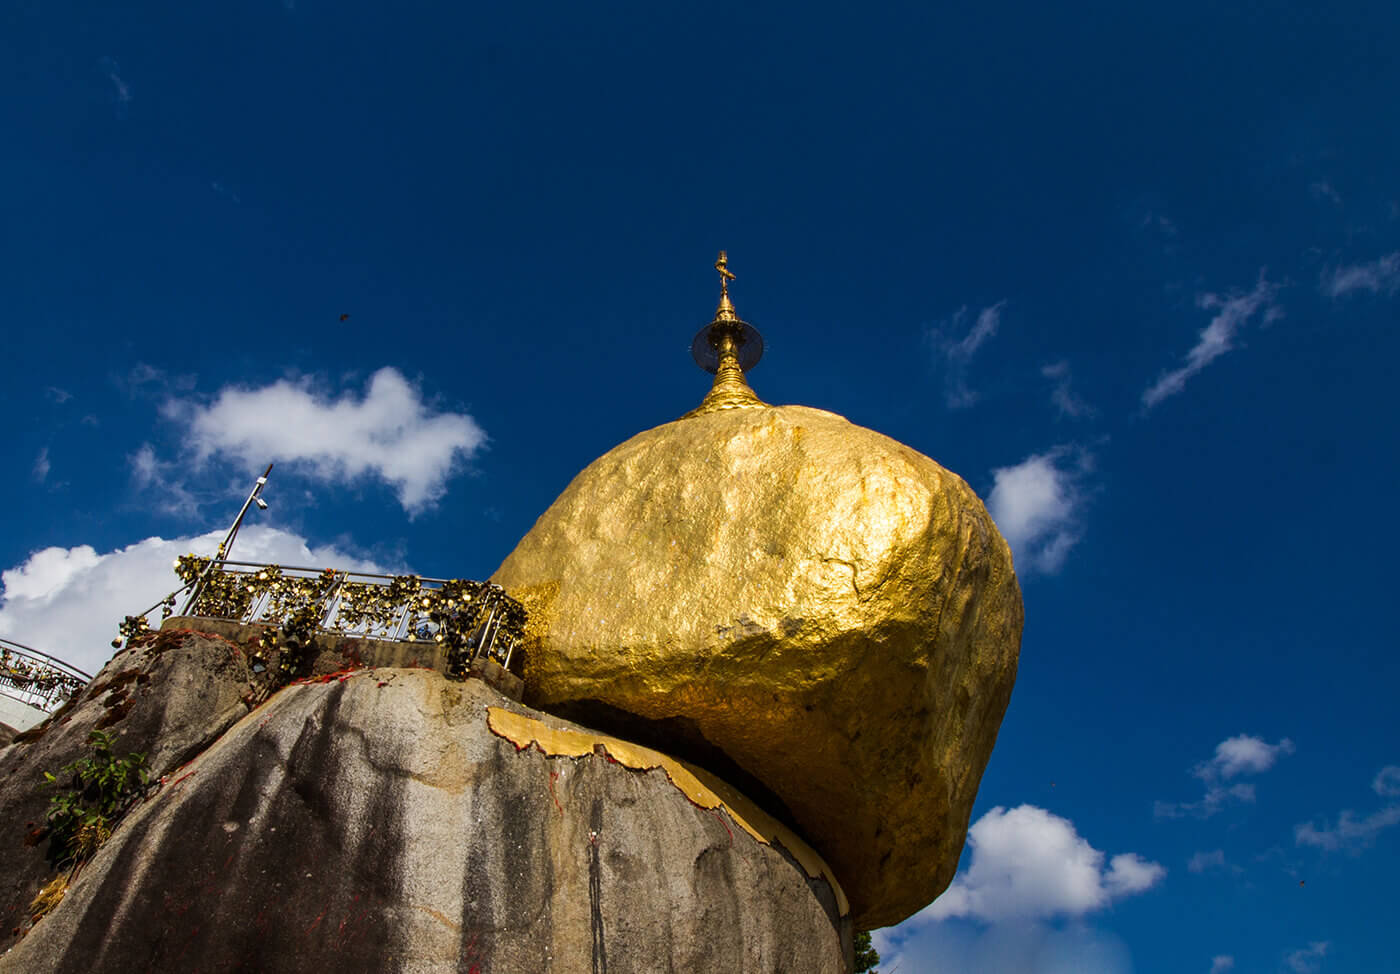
x,y
375,822
168,698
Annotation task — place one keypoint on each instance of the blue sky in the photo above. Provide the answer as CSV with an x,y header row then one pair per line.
x,y
1133,272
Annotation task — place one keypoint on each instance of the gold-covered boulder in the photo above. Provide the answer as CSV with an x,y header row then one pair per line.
x,y
830,609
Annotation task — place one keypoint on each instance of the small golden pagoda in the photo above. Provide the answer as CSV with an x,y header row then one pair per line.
x,y
727,347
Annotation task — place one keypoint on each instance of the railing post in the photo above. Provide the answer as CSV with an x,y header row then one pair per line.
x,y
405,615
489,629
197,588
324,602
333,600
257,606
514,641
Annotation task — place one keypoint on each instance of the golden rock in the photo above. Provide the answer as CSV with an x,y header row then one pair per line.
x,y
832,610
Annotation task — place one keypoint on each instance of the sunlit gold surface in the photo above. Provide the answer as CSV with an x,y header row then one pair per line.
x,y
832,609
701,787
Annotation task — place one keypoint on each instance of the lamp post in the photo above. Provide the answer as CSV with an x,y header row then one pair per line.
x,y
254,497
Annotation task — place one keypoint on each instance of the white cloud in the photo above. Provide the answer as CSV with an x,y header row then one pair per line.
x,y
1025,948
1387,782
1062,395
1021,904
1037,504
1216,797
1350,832
1221,963
122,90
1380,276
162,483
1242,754
1234,756
68,601
42,465
1030,864
144,380
957,352
1307,960
143,373
1129,873
389,433
47,571
1232,313
145,466
1202,861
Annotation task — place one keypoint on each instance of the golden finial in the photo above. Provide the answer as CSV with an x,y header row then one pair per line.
x,y
725,311
725,274
727,347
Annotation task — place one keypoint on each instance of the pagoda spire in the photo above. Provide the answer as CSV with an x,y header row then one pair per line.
x,y
727,347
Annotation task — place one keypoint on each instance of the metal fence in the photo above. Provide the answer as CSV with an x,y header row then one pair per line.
x,y
473,619
37,679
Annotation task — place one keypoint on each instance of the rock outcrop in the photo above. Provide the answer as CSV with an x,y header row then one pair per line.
x,y
391,820
168,696
801,604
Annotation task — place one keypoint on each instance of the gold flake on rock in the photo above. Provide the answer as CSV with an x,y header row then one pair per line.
x,y
702,788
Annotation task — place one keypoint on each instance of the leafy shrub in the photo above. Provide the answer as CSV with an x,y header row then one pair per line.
x,y
100,788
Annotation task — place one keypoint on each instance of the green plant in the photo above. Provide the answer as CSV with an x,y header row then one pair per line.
x,y
101,787
866,954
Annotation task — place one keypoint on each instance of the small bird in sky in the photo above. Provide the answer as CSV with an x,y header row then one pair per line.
x,y
344,317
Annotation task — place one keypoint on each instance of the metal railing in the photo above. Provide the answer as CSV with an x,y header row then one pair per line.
x,y
37,679
470,620
473,619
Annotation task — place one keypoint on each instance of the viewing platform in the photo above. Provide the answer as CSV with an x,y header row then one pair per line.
x,y
34,684
458,627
